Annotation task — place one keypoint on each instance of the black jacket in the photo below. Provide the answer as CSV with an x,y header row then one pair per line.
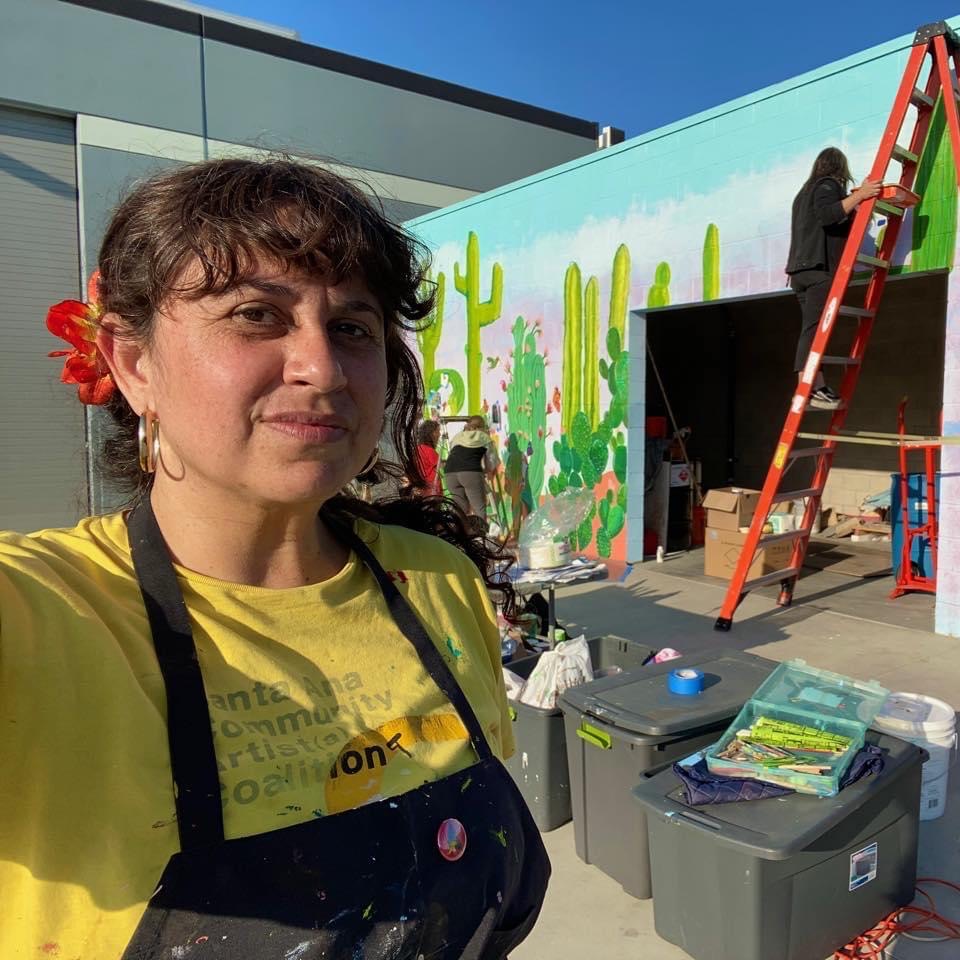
x,y
818,227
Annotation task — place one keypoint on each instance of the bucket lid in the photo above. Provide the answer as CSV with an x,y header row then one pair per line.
x,y
914,713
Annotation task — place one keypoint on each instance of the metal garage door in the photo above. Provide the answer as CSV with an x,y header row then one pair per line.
x,y
42,437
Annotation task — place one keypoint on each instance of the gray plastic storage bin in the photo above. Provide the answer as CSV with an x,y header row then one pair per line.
x,y
791,878
539,765
622,727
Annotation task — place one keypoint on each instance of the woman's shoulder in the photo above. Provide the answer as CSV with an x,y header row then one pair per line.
x,y
399,548
828,185
95,544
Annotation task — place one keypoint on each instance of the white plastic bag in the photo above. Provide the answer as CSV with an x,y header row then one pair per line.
x,y
567,665
513,683
556,517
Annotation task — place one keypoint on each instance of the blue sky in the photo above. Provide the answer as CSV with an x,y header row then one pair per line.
x,y
629,63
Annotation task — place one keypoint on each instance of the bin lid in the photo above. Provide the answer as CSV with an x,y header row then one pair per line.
x,y
638,700
800,687
778,827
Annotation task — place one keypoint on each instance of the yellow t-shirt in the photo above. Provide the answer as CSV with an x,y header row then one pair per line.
x,y
317,701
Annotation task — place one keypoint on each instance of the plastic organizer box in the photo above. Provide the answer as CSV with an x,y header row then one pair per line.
x,y
800,717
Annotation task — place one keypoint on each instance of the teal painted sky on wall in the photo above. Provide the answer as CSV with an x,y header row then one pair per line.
x,y
699,153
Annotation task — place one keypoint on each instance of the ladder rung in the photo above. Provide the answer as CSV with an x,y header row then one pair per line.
x,y
783,537
808,451
787,574
845,311
799,452
904,155
841,361
888,208
796,495
865,258
919,98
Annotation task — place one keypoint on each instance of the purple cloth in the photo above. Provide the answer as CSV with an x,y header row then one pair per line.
x,y
701,787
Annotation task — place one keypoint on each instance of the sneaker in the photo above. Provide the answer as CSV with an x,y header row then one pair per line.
x,y
825,399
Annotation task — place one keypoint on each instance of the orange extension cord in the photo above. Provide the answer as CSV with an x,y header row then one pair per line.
x,y
910,922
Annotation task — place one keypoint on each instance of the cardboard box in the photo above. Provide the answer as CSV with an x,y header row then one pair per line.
x,y
722,551
729,508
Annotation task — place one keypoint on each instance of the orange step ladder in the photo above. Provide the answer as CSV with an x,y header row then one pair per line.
x,y
941,45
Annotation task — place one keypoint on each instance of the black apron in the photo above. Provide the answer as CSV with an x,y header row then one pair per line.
x,y
453,869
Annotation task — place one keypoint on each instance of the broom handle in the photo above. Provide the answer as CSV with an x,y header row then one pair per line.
x,y
676,429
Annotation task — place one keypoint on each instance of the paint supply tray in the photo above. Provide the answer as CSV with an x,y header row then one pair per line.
x,y
801,729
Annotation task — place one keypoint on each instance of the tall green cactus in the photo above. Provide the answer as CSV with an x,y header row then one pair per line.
x,y
591,334
935,216
479,314
581,338
711,263
572,346
428,336
620,292
527,404
659,292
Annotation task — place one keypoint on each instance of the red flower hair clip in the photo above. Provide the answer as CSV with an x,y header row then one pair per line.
x,y
76,323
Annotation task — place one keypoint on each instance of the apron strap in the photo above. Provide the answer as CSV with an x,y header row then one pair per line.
x,y
196,780
193,758
411,627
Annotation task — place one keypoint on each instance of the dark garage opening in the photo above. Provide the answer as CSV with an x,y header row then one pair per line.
x,y
727,367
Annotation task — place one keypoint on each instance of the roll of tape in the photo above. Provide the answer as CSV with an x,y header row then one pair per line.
x,y
685,681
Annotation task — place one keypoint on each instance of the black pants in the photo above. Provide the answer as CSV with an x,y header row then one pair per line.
x,y
811,288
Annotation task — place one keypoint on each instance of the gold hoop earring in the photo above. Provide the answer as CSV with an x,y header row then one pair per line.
x,y
148,442
371,463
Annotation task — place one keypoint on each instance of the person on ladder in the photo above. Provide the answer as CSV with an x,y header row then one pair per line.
x,y
820,224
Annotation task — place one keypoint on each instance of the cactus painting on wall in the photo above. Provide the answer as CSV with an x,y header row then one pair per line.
x,y
480,313
428,335
934,233
591,446
565,425
527,406
695,212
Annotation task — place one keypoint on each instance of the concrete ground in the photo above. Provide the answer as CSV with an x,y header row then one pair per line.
x,y
836,623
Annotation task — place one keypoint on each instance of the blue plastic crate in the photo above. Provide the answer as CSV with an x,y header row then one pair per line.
x,y
917,508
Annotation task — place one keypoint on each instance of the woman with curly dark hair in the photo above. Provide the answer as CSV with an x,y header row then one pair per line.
x,y
252,715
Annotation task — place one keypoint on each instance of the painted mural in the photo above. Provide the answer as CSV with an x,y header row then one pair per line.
x,y
534,330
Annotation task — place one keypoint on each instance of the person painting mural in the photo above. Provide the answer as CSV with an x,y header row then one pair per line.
x,y
820,224
428,460
250,715
471,459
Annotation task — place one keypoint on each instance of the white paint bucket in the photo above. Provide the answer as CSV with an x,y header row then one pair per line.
x,y
930,724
